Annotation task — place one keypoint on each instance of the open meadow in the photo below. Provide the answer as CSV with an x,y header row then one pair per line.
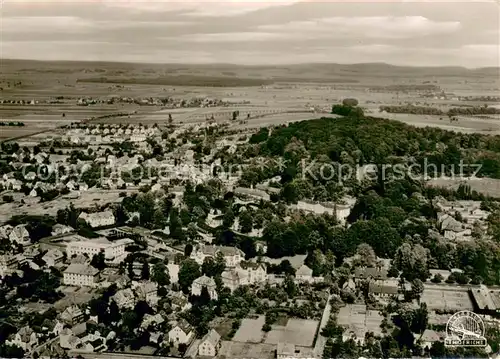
x,y
45,95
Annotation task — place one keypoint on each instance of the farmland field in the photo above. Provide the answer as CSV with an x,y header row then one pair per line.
x,y
263,95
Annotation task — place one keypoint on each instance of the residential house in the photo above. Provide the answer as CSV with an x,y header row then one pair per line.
x,y
207,282
72,316
429,337
173,271
60,229
246,273
124,299
180,302
53,257
147,291
453,230
152,321
232,255
5,231
69,341
99,219
8,264
25,338
304,274
181,333
231,279
210,344
81,275
20,235
377,273
383,289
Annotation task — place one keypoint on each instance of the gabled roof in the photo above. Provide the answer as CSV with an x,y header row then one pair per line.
x,y
205,281
212,337
75,268
304,270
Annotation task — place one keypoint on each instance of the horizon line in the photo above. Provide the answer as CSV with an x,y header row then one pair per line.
x,y
253,65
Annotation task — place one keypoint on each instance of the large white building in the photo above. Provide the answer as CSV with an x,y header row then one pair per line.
x,y
246,273
81,275
207,282
91,247
99,219
232,255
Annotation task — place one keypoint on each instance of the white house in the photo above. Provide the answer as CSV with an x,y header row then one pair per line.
x,y
147,291
59,229
210,344
72,315
81,275
251,273
454,230
173,271
232,255
124,298
25,338
99,219
181,333
53,257
247,273
5,231
207,282
304,274
20,235
8,264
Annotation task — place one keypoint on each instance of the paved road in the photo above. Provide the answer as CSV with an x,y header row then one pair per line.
x,y
115,355
321,340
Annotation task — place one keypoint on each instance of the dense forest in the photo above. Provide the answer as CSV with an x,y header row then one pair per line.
x,y
455,111
390,212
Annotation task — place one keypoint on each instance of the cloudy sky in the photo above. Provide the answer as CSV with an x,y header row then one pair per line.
x,y
426,33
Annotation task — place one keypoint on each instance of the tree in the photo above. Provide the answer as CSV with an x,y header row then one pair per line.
x,y
213,267
98,261
188,249
228,218
160,274
159,219
412,262
145,271
366,255
290,287
350,102
417,288
438,278
420,319
188,272
246,222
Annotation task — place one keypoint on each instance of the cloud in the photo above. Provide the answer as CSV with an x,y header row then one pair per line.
x,y
45,24
389,27
228,37
200,8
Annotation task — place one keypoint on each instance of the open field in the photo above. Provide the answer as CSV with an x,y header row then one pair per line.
x,y
359,320
86,199
269,94
300,332
486,186
449,299
247,350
